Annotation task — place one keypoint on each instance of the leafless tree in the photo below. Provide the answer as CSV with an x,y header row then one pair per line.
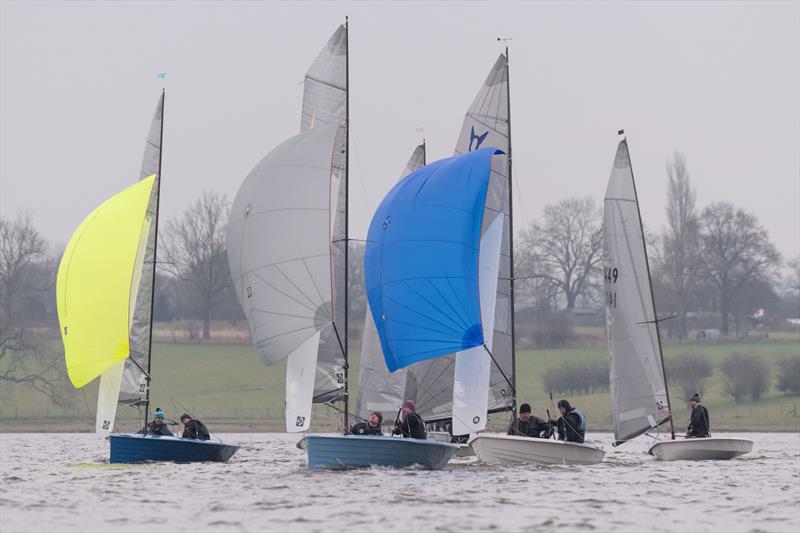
x,y
194,251
21,246
25,272
680,243
568,246
735,253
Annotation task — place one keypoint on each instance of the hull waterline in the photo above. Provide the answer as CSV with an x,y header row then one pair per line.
x,y
140,448
508,449
341,452
702,449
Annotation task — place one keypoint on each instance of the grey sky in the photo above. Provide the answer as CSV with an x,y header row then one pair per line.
x,y
718,81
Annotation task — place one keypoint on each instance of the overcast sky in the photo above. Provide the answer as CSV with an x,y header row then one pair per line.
x,y
718,81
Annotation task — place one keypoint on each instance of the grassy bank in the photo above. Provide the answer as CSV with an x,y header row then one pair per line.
x,y
227,386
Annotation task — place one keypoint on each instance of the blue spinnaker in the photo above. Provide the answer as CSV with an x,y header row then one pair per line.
x,y
421,260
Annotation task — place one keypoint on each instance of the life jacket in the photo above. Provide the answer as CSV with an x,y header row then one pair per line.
x,y
582,424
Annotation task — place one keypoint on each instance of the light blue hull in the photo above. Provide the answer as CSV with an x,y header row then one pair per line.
x,y
349,451
140,448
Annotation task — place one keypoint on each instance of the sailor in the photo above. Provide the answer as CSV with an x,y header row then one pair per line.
x,y
530,426
572,424
699,423
371,427
158,426
194,429
409,423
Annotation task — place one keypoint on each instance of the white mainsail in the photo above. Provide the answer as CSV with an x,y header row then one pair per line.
x,y
638,392
126,382
487,123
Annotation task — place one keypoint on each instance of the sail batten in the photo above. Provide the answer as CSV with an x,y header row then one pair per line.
x,y
638,391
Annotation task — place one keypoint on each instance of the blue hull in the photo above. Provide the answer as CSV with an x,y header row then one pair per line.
x,y
140,448
348,451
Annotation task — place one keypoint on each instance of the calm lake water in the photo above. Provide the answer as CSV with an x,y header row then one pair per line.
x,y
59,482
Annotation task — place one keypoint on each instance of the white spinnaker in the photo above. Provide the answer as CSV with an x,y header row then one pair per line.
x,y
279,245
638,392
378,389
473,366
126,383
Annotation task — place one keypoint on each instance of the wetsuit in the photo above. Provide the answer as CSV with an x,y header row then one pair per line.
x,y
157,429
572,426
535,427
196,430
699,423
363,428
412,426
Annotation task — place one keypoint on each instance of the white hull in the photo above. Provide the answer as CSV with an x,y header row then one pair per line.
x,y
464,450
710,449
507,449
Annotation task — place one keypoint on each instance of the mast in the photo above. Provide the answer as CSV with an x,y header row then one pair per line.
x,y
511,245
155,262
652,296
346,414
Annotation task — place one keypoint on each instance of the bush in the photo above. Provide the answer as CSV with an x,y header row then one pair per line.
x,y
577,377
789,375
690,373
745,375
553,331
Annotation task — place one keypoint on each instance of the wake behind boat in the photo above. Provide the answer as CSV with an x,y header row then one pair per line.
x,y
701,449
350,451
142,448
510,449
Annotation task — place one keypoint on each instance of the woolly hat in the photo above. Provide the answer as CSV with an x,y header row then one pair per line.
x,y
695,398
159,414
525,408
411,404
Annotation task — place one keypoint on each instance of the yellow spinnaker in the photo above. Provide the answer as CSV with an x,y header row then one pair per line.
x,y
97,280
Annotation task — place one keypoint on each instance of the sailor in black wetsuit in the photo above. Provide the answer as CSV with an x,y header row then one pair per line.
x,y
194,429
409,423
529,425
572,424
370,427
699,423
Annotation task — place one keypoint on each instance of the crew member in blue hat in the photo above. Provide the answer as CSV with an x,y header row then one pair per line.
x,y
158,426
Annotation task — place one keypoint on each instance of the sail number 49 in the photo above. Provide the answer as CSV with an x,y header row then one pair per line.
x,y
612,274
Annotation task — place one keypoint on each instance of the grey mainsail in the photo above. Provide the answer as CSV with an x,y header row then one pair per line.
x,y
325,102
487,123
133,388
379,389
638,392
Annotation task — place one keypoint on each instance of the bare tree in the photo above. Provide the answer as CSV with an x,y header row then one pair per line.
x,y
680,243
26,274
736,253
194,249
568,246
21,246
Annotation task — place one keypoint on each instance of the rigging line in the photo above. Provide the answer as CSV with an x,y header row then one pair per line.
x,y
657,320
367,203
502,372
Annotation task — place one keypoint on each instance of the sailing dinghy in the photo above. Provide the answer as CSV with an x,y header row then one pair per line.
x,y
484,380
104,297
639,393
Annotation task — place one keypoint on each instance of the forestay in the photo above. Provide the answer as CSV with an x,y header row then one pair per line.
x,y
280,252
426,309
638,392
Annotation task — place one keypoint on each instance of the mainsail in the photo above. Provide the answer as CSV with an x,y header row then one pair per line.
x,y
96,284
428,309
638,391
280,250
325,102
378,389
